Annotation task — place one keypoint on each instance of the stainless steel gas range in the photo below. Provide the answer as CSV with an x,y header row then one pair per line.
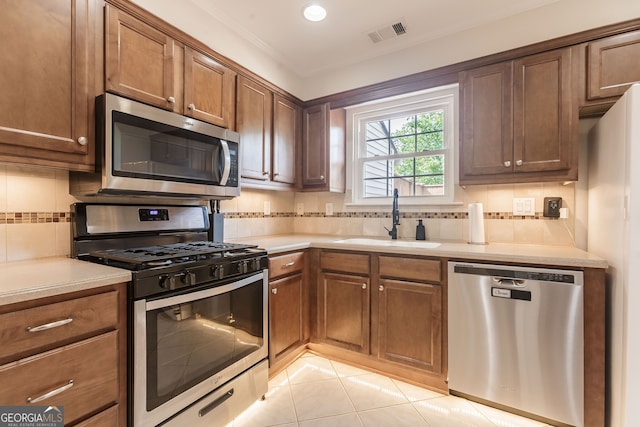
x,y
197,311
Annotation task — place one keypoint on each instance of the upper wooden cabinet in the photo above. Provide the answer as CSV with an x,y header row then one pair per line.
x,y
209,89
269,127
612,65
143,63
139,60
287,132
323,149
518,122
254,110
48,82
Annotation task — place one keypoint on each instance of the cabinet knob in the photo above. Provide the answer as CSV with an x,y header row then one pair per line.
x,y
82,140
364,286
191,106
171,100
274,291
381,288
265,173
289,264
322,177
518,162
507,164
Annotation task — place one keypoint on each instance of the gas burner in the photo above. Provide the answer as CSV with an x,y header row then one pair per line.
x,y
162,255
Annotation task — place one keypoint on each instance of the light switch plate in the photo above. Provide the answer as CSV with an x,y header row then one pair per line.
x,y
300,209
524,206
267,207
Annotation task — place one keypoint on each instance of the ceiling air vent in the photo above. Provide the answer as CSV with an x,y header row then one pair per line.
x,y
388,32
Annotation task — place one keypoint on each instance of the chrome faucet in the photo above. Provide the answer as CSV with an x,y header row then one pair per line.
x,y
395,215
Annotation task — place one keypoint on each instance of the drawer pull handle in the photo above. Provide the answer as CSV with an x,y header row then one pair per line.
x,y
50,325
51,393
213,405
289,264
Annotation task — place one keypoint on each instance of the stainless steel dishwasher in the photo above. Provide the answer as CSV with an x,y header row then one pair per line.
x,y
516,338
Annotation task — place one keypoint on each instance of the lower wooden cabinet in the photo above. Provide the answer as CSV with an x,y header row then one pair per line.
x,y
410,324
68,350
344,311
383,311
288,308
285,309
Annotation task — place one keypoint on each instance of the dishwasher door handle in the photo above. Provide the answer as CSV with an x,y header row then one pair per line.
x,y
508,281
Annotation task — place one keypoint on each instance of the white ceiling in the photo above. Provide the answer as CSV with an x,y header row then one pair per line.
x,y
272,39
312,48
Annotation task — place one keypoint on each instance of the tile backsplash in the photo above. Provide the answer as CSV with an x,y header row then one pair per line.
x,y
35,214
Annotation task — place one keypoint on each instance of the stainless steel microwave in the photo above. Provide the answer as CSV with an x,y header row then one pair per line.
x,y
144,150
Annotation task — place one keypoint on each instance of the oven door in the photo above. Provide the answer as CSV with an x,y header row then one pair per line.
x,y
188,345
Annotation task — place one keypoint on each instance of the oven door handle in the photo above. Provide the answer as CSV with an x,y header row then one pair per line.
x,y
205,293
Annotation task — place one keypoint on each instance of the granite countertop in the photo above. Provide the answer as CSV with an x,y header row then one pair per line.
x,y
562,256
39,278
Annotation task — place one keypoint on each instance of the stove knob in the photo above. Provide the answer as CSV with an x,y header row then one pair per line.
x,y
167,282
217,272
243,267
255,264
188,278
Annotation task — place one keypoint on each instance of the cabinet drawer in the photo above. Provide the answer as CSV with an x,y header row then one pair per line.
x,y
282,265
427,270
24,332
345,262
91,364
107,418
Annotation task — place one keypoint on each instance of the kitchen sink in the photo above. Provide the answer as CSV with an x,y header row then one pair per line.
x,y
423,244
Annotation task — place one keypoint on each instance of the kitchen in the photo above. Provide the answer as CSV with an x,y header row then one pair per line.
x,y
44,192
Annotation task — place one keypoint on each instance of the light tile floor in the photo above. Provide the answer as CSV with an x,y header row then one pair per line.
x,y
317,392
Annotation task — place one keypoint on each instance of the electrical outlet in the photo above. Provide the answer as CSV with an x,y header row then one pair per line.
x,y
267,207
552,207
328,209
300,209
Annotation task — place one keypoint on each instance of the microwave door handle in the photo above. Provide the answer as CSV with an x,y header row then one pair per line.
x,y
227,162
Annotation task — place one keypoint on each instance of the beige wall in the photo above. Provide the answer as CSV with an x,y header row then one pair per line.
x,y
34,213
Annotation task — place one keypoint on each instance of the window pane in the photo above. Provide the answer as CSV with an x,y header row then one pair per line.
x,y
377,139
403,167
404,144
431,141
430,170
376,169
377,188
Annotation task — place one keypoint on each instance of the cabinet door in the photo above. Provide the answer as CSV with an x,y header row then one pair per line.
x,y
46,82
410,324
545,135
139,60
344,311
254,111
486,134
286,134
315,146
285,315
209,89
613,65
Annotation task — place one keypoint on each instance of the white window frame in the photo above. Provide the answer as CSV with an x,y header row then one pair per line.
x,y
444,97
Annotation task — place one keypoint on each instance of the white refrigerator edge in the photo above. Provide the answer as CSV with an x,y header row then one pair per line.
x,y
614,234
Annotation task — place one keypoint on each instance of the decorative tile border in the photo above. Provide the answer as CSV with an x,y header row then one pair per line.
x,y
55,217
34,217
408,215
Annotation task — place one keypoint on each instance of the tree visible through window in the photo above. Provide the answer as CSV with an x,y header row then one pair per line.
x,y
412,147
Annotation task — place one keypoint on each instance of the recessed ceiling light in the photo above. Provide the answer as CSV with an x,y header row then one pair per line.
x,y
314,12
